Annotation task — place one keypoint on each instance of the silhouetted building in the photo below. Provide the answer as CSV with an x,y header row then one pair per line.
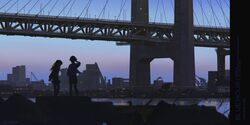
x,y
158,83
3,82
5,90
91,78
10,78
64,80
214,85
18,76
23,90
118,82
212,80
38,85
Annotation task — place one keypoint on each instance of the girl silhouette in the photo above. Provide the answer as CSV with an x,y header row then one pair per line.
x,y
72,74
53,77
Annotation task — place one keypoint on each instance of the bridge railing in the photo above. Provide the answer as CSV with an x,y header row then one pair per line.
x,y
107,20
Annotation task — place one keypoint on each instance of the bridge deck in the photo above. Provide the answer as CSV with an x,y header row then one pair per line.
x,y
110,30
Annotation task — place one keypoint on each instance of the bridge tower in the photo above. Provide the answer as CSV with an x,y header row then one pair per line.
x,y
182,51
184,66
139,64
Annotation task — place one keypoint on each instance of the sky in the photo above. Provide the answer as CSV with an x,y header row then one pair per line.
x,y
39,53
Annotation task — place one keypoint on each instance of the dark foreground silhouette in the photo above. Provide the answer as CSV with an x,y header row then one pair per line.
x,y
54,76
73,110
72,74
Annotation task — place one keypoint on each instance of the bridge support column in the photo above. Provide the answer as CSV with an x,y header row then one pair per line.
x,y
139,65
184,66
221,71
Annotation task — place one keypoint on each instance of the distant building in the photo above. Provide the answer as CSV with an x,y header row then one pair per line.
x,y
38,85
3,82
64,80
5,89
10,78
91,78
214,85
212,80
18,76
118,82
160,84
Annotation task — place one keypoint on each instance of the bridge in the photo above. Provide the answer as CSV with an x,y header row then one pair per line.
x,y
110,30
147,40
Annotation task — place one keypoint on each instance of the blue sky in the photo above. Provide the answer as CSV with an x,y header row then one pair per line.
x,y
39,53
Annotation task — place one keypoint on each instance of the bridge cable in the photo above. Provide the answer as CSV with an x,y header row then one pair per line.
x,y
24,6
64,8
17,5
164,13
124,14
87,9
122,6
225,17
157,6
228,17
71,7
33,6
210,4
12,5
227,3
83,9
172,5
211,19
53,7
5,4
103,9
44,7
202,10
196,18
202,14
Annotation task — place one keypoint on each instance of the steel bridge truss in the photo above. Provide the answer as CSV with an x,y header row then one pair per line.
x,y
109,30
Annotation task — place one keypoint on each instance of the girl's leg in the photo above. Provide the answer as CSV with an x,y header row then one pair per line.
x,y
77,94
54,85
70,89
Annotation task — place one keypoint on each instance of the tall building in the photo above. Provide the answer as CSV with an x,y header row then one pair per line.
x,y
91,78
119,83
9,78
213,82
18,76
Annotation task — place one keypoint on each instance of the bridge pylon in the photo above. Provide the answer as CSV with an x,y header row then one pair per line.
x,y
184,66
181,52
221,54
139,64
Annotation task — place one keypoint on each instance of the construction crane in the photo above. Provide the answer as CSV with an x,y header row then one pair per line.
x,y
34,76
200,82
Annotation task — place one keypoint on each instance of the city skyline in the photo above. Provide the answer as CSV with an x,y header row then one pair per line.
x,y
156,67
38,53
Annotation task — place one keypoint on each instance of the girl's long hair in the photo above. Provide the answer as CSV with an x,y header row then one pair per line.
x,y
56,65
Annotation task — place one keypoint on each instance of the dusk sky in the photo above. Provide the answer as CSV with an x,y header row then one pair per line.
x,y
38,53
